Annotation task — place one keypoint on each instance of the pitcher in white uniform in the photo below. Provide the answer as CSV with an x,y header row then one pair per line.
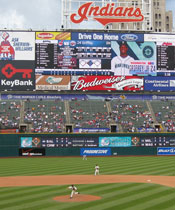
x,y
74,190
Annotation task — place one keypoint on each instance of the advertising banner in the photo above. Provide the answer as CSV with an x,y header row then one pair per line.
x,y
47,35
166,151
159,83
115,141
17,45
107,36
17,75
133,58
159,37
146,130
95,151
91,130
124,83
32,152
51,82
74,97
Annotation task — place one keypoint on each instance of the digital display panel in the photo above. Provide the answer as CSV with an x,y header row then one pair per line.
x,y
90,142
70,142
73,57
133,58
159,141
165,58
30,142
115,141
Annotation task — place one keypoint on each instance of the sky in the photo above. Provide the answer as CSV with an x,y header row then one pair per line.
x,y
38,14
34,14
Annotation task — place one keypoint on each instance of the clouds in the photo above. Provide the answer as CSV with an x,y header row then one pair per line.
x,y
35,14
12,20
41,14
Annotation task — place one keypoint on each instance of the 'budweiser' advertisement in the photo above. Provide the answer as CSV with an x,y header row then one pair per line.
x,y
107,83
107,14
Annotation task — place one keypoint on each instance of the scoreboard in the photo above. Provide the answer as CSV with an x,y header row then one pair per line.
x,y
165,58
90,142
69,142
73,56
159,141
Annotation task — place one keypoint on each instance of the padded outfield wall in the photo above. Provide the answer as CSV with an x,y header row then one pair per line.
x,y
15,145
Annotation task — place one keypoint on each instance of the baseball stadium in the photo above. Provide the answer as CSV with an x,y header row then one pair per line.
x,y
87,116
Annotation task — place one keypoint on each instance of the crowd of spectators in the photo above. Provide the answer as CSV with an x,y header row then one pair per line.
x,y
45,116
165,114
9,114
51,116
89,114
132,115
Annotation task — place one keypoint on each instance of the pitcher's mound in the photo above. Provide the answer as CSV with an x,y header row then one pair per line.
x,y
76,198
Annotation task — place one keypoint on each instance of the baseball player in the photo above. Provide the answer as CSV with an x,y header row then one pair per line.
x,y
97,168
120,64
84,157
74,190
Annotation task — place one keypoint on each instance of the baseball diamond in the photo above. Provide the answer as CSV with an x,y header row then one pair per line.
x,y
124,183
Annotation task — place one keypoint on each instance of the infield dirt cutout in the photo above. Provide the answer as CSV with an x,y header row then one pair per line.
x,y
83,179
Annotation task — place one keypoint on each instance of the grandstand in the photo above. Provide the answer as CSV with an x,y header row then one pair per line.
x,y
44,116
10,114
165,114
52,116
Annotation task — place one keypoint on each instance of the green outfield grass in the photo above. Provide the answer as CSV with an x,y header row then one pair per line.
x,y
128,196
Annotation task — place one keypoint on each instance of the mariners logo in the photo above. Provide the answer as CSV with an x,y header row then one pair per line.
x,y
148,51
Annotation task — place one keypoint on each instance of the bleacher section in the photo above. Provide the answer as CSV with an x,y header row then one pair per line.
x,y
45,116
165,114
9,114
48,116
89,114
132,115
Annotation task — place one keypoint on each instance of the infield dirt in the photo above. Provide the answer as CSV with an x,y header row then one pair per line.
x,y
84,179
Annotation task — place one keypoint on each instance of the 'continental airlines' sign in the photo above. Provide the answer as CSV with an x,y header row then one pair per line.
x,y
107,14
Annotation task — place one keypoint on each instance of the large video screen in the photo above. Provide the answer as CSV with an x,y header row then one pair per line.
x,y
84,60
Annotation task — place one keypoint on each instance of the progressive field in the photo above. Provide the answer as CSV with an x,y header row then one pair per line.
x,y
130,196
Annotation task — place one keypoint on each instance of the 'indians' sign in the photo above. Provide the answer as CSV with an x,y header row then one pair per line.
x,y
107,14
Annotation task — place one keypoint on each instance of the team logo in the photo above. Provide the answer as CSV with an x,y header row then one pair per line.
x,y
135,141
72,43
61,43
107,14
148,51
36,141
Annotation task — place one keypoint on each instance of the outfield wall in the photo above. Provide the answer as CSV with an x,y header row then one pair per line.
x,y
12,145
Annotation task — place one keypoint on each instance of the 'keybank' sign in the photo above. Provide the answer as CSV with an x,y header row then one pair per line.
x,y
17,75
